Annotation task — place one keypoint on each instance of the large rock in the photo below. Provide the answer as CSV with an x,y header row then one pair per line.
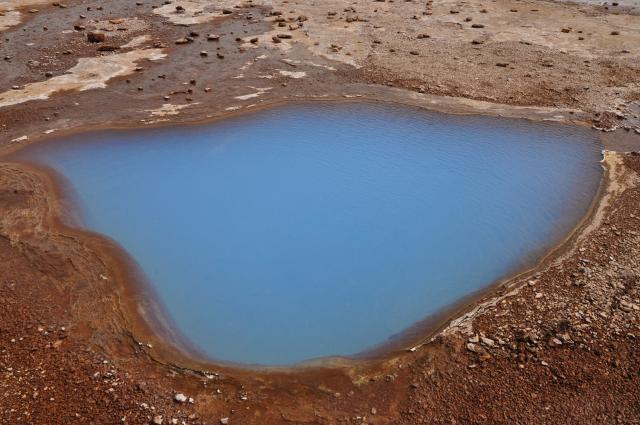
x,y
96,37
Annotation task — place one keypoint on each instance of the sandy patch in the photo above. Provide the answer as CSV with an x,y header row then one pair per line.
x,y
118,24
17,4
310,63
10,16
266,39
9,19
195,11
135,42
89,73
293,74
260,91
332,42
168,109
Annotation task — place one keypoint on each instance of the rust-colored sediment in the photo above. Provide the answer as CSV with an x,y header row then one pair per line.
x,y
557,345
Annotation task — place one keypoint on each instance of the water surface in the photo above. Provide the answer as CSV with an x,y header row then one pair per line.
x,y
324,229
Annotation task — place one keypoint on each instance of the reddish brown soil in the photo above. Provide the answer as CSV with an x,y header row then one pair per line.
x,y
555,346
64,363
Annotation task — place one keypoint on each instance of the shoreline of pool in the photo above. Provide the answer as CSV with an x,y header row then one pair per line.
x,y
151,322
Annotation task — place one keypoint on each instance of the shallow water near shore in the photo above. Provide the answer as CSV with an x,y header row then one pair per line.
x,y
322,229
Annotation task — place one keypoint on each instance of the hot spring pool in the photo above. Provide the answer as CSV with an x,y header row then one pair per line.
x,y
323,229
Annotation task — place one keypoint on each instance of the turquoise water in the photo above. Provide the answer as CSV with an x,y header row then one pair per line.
x,y
313,230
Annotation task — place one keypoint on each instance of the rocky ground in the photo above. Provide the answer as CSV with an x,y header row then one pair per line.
x,y
557,345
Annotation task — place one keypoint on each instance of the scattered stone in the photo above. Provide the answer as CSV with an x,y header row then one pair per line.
x,y
96,37
555,342
474,348
180,398
108,48
627,307
487,341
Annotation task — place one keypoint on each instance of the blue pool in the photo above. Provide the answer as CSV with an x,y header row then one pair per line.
x,y
321,229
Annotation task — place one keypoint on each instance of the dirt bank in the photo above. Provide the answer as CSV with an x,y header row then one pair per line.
x,y
557,346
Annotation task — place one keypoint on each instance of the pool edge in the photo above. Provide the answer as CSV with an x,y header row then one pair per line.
x,y
170,347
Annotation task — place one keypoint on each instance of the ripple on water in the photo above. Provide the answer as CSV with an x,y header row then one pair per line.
x,y
323,229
